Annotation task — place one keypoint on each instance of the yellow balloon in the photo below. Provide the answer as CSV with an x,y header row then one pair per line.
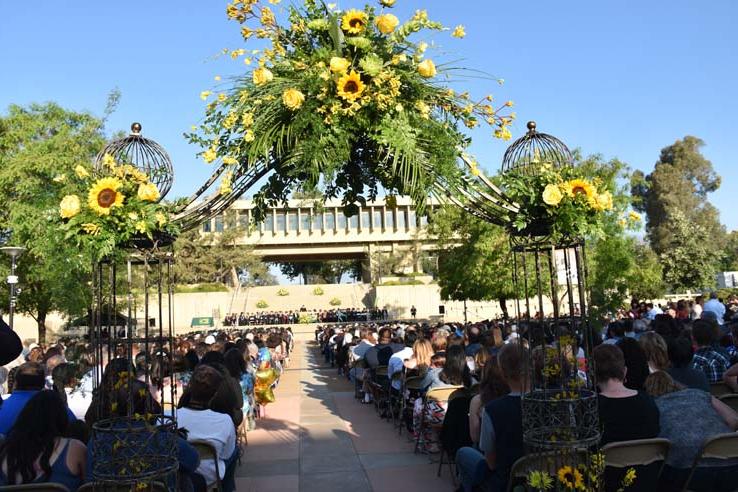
x,y
263,380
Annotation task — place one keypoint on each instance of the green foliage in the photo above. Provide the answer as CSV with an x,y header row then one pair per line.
x,y
376,118
335,301
326,272
729,261
196,288
690,260
402,282
262,304
283,292
38,143
681,181
318,291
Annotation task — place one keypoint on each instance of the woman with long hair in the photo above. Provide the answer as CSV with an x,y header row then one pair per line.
x,y
491,386
35,450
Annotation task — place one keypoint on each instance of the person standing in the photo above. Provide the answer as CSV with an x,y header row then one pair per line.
x,y
715,306
413,312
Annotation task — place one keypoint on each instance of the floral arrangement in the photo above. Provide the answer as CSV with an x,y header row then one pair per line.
x,y
557,202
335,301
318,291
283,292
341,101
579,478
104,210
262,304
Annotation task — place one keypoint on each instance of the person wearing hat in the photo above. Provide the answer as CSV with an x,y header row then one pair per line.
x,y
10,344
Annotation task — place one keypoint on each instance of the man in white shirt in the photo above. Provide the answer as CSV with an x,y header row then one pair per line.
x,y
203,424
397,361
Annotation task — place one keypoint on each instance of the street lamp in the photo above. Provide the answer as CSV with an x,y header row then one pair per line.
x,y
14,252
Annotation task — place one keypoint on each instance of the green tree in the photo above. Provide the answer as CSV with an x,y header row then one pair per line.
x,y
39,144
730,254
331,271
681,181
689,259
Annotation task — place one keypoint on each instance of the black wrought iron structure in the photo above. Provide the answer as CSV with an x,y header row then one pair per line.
x,y
143,153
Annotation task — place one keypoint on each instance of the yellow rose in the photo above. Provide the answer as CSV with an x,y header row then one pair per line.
x,y
387,3
81,172
262,75
459,32
69,206
148,192
427,68
293,99
604,201
161,218
339,65
552,195
387,23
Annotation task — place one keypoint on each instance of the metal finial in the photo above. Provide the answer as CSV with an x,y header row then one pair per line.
x,y
136,129
531,126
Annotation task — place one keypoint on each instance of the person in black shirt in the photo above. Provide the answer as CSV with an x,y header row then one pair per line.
x,y
625,414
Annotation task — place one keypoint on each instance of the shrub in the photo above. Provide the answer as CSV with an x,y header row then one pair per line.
x,y
262,304
283,292
318,291
206,287
335,301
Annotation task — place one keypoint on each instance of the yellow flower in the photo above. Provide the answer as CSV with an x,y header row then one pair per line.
x,y
267,16
503,133
104,195
209,155
230,160
387,3
222,97
247,119
577,187
205,94
423,109
604,201
141,226
262,75
570,477
354,21
148,192
91,229
81,172
339,64
540,480
60,178
459,32
246,32
69,206
133,216
217,78
350,86
249,136
161,218
552,195
629,478
293,99
427,68
387,23
634,216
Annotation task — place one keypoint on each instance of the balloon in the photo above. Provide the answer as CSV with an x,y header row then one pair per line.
x,y
264,379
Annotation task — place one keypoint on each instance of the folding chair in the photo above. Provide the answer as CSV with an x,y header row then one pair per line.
x,y
37,487
731,400
435,395
396,397
207,451
380,391
359,383
719,389
720,447
641,452
461,412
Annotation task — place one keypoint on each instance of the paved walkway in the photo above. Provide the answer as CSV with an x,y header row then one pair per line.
x,y
316,437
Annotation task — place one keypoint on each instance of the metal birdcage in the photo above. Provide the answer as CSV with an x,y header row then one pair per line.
x,y
132,339
533,149
144,154
560,414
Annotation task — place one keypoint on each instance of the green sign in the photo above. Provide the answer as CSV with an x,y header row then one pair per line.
x,y
203,321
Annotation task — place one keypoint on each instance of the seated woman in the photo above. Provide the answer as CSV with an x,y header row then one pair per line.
x,y
625,414
35,451
688,417
420,363
492,386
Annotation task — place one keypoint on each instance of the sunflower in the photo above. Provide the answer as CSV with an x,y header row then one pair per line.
x,y
354,21
350,86
577,187
570,478
540,480
104,195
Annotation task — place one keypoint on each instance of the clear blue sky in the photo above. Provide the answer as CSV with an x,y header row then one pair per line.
x,y
621,78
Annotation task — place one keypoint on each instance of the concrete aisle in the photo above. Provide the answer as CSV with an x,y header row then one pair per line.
x,y
316,437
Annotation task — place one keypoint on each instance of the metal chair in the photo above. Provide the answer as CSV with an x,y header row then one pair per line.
x,y
396,397
451,462
640,452
36,487
720,447
379,386
731,400
207,451
719,389
358,383
437,395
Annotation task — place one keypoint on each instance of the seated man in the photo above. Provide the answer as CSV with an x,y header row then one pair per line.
x,y
707,359
30,378
216,428
501,436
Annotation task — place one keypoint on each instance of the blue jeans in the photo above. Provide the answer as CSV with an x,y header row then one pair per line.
x,y
472,468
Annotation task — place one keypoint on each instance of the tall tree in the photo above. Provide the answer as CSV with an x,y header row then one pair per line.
x,y
39,146
331,271
689,259
681,181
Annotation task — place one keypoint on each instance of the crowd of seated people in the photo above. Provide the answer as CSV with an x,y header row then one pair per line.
x,y
655,378
304,315
50,405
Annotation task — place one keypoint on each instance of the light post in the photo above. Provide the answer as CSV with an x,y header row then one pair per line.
x,y
14,252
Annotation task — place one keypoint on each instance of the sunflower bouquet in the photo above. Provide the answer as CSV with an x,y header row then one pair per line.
x,y
577,478
341,101
557,202
104,211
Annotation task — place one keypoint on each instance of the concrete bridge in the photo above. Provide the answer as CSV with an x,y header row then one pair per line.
x,y
305,231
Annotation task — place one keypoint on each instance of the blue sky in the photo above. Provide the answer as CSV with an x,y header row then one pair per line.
x,y
621,78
